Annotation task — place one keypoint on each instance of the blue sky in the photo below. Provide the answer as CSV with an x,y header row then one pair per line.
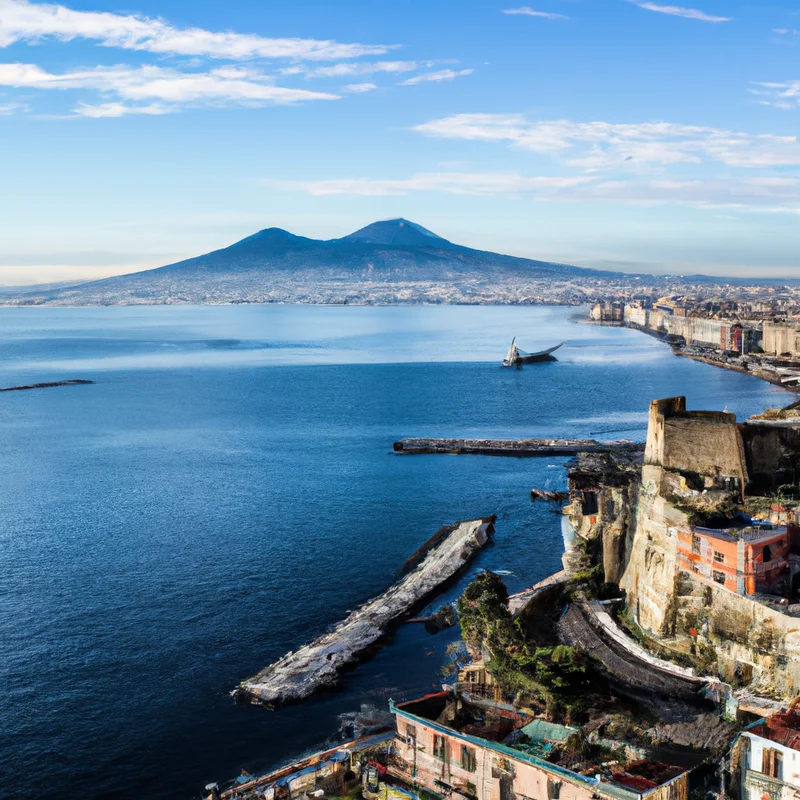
x,y
612,133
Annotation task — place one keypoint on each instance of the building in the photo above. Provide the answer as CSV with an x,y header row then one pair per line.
x,y
768,754
481,750
781,339
747,560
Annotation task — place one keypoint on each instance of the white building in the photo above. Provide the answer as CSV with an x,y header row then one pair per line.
x,y
769,759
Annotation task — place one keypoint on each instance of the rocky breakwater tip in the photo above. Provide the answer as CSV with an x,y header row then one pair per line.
x,y
317,665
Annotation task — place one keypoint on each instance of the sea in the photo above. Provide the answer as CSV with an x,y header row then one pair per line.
x,y
226,490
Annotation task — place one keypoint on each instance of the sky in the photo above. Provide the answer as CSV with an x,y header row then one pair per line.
x,y
620,134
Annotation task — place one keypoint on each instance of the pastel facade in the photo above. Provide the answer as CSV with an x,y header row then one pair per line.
x,y
769,759
476,765
748,561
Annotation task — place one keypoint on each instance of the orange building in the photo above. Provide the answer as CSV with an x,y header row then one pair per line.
x,y
745,560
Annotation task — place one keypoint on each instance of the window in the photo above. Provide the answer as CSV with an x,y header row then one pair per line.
x,y
439,747
766,554
719,577
696,542
719,557
468,759
411,733
772,763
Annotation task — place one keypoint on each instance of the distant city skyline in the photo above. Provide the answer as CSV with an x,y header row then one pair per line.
x,y
617,134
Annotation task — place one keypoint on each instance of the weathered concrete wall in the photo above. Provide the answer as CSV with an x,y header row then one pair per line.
x,y
753,642
772,453
649,578
603,491
703,442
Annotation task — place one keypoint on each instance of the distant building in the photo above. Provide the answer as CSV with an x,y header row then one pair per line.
x,y
781,339
609,311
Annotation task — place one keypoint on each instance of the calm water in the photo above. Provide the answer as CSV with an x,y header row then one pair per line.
x,y
226,491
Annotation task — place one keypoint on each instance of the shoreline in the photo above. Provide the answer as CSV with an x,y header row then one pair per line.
x,y
707,358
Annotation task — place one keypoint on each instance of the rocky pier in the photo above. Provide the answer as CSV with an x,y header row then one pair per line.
x,y
518,448
314,666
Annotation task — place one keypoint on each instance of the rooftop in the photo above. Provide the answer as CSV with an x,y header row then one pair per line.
x,y
781,728
558,747
753,534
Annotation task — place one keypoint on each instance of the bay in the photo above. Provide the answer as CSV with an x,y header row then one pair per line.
x,y
226,491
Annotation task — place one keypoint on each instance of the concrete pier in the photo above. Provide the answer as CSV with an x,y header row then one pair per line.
x,y
518,448
318,664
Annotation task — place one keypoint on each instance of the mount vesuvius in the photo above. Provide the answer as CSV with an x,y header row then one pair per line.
x,y
392,261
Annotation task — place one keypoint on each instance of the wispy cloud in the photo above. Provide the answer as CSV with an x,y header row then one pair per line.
x,y
114,110
777,195
678,11
359,88
441,75
607,146
31,22
167,88
485,183
527,11
784,95
350,68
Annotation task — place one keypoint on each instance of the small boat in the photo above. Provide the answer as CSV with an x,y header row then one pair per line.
x,y
516,357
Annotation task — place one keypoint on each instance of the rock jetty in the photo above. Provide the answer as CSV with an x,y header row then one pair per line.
x,y
519,448
316,665
48,385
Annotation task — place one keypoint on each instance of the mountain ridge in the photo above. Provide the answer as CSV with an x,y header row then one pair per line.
x,y
393,260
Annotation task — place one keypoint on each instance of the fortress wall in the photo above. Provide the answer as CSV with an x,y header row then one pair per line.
x,y
745,632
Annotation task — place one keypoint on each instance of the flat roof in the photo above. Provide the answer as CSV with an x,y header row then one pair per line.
x,y
635,780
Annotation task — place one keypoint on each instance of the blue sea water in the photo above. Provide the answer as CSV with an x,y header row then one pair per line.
x,y
226,491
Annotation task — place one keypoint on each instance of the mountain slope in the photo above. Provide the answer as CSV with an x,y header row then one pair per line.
x,y
367,265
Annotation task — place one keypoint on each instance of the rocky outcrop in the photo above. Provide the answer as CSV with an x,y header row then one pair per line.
x,y
602,493
318,664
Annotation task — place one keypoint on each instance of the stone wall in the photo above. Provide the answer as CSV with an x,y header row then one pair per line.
x,y
772,453
704,442
754,643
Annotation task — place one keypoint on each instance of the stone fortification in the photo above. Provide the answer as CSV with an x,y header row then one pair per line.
x,y
636,521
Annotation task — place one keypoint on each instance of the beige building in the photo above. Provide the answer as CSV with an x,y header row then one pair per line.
x,y
781,339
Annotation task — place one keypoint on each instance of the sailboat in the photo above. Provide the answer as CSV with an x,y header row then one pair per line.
x,y
516,357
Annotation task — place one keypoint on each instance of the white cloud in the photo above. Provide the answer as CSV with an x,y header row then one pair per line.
x,y
677,11
603,145
30,22
354,68
113,110
487,183
441,75
763,193
168,88
359,88
784,95
527,11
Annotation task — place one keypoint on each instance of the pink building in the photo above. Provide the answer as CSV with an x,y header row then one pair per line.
x,y
482,750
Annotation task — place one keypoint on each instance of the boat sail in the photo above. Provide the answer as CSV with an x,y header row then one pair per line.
x,y
516,357
511,356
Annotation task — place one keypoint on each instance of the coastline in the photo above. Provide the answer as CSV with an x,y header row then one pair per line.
x,y
745,367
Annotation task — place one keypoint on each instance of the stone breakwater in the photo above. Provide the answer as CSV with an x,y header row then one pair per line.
x,y
48,385
299,674
519,448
